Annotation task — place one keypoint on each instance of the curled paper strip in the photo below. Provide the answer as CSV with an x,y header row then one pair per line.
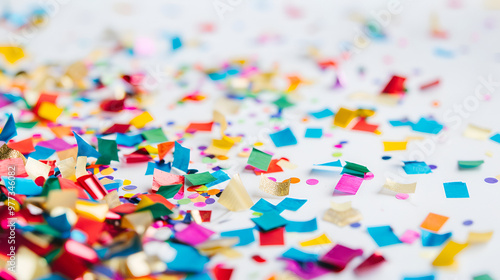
x,y
399,187
235,197
274,188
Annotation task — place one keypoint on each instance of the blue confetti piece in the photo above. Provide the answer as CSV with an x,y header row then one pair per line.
x,y
41,153
325,113
181,157
9,130
306,226
383,236
246,236
128,140
430,239
456,190
314,133
283,138
300,256
84,149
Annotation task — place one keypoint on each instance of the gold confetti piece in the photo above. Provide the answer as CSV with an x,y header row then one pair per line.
x,y
137,264
43,241
475,132
399,187
212,247
230,253
275,188
138,221
61,198
342,218
285,164
344,117
492,4
413,138
340,207
320,240
226,106
221,120
29,265
450,250
12,54
68,153
6,153
36,169
479,237
394,146
387,99
77,72
235,197
91,210
81,164
112,199
67,168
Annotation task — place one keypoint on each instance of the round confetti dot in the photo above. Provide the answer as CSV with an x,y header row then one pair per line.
x,y
202,148
468,222
200,204
129,187
343,142
369,176
256,144
312,182
272,179
432,166
194,195
355,225
213,192
184,201
386,157
338,146
294,180
491,180
39,181
337,154
222,157
210,201
257,214
402,196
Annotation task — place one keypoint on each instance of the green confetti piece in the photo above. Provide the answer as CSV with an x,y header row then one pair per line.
x,y
169,191
200,178
155,135
259,159
468,164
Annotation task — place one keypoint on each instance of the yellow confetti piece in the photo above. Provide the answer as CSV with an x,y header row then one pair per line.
x,y
49,111
445,258
127,182
320,240
257,144
344,117
12,54
91,210
128,195
141,120
394,146
107,171
479,237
